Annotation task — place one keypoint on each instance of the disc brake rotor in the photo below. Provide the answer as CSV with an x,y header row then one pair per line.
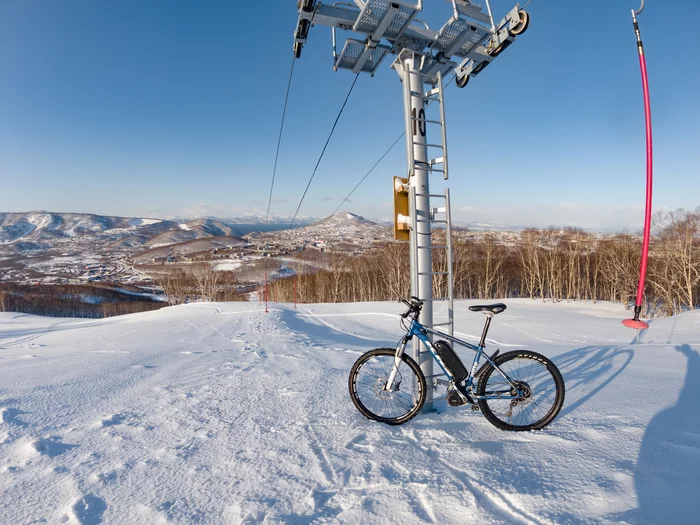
x,y
386,395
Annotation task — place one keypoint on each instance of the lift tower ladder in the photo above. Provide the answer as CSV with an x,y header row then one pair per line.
x,y
420,124
443,276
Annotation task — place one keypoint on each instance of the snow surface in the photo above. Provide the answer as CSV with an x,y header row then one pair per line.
x,y
220,413
227,266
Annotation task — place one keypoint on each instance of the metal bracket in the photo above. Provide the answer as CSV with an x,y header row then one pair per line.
x,y
361,56
385,19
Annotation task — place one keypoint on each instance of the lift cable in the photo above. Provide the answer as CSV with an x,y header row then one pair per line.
x,y
274,170
324,148
370,171
279,141
382,157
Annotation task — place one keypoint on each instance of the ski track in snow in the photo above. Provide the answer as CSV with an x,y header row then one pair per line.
x,y
221,413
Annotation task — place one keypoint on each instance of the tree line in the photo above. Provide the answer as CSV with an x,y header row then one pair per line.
x,y
72,301
548,264
197,282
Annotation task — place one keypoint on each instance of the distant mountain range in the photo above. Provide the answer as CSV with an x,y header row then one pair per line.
x,y
338,227
37,230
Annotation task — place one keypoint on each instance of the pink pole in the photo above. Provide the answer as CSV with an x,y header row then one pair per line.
x,y
635,322
647,215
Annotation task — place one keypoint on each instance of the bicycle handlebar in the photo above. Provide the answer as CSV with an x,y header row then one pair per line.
x,y
414,307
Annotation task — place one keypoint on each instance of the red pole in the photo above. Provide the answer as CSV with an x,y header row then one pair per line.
x,y
635,322
265,291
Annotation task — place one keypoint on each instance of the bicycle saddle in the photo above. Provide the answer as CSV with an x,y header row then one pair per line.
x,y
493,308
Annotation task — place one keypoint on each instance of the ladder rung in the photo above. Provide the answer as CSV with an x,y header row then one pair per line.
x,y
424,97
441,195
442,324
432,247
433,273
432,92
437,160
428,145
426,167
435,299
427,120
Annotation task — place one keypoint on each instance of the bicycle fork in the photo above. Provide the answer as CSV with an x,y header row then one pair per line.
x,y
400,348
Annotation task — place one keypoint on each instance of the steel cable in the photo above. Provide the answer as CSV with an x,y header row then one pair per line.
x,y
324,148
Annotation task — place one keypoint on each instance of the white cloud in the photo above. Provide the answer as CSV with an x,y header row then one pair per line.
x,y
586,216
202,209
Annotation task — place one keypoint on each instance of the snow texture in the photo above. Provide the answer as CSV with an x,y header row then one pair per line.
x,y
220,413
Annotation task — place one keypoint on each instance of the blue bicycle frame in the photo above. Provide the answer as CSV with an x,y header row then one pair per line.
x,y
422,332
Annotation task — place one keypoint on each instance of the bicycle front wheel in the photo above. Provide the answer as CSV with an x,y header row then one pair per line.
x,y
368,378
538,379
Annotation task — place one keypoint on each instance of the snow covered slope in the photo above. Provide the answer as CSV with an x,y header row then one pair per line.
x,y
220,413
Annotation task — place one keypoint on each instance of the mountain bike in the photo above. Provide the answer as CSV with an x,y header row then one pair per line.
x,y
517,390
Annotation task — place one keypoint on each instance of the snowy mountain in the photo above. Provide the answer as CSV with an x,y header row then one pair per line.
x,y
196,229
41,226
342,226
220,413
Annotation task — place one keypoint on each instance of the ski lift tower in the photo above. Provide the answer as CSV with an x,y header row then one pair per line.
x,y
467,43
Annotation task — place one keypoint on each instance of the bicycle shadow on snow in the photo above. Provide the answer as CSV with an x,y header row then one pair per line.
x,y
666,474
589,370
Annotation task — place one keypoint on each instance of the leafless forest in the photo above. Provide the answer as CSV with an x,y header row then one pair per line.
x,y
550,264
90,301
197,282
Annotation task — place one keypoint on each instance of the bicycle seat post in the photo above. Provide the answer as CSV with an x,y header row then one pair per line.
x,y
488,315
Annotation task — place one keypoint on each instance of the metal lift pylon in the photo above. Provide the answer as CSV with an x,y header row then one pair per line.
x,y
466,44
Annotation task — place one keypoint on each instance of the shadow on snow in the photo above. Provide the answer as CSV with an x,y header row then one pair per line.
x,y
666,474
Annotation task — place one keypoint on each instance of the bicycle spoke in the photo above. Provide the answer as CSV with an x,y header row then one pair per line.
x,y
535,382
371,387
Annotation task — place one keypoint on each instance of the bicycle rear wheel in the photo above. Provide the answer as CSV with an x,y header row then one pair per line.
x,y
541,382
369,376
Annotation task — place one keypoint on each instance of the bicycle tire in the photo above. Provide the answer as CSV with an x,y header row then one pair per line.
x,y
534,370
378,364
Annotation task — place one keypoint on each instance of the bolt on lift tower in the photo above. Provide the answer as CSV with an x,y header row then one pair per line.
x,y
467,43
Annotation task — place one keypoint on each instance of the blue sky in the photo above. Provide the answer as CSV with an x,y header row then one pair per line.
x,y
172,107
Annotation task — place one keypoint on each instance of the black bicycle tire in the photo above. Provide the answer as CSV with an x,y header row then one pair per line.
x,y
368,413
551,368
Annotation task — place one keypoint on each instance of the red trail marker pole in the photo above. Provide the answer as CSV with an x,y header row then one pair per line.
x,y
635,321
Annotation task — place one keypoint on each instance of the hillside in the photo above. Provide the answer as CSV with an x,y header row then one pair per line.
x,y
220,413
341,227
38,226
68,248
188,247
191,230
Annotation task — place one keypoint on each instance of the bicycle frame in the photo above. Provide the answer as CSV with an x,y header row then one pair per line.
x,y
422,332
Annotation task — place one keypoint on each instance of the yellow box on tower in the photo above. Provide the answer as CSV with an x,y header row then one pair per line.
x,y
402,221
